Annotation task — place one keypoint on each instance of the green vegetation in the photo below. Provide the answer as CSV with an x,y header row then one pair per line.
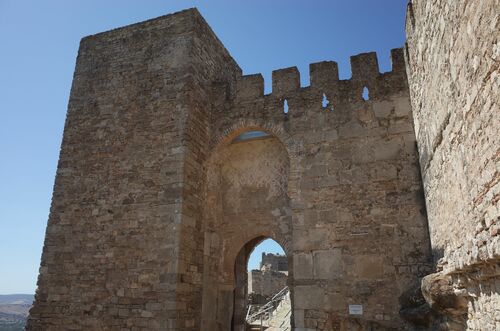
x,y
12,326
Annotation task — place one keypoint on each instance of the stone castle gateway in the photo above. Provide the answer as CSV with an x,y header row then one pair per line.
x,y
160,196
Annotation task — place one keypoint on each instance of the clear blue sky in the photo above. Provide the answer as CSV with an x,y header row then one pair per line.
x,y
267,246
38,46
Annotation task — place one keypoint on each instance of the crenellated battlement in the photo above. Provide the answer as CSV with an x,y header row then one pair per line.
x,y
364,66
158,148
286,81
324,76
323,73
250,86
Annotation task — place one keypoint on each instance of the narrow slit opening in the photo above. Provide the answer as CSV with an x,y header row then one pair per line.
x,y
366,94
251,135
285,106
325,102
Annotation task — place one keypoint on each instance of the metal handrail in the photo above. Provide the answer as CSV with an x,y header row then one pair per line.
x,y
268,306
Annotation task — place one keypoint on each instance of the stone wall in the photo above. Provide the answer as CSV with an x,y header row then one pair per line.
x,y
156,207
353,218
266,283
274,261
453,58
120,250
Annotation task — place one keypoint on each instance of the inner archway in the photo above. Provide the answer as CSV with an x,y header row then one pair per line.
x,y
246,202
261,293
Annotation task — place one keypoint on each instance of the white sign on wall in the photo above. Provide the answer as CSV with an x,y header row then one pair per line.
x,y
355,309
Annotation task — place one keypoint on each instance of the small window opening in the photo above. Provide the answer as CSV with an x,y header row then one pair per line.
x,y
249,135
366,94
285,107
325,101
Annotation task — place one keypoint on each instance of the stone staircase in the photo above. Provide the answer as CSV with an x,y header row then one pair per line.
x,y
280,318
273,316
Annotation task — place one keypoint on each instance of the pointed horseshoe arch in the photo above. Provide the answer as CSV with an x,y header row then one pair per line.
x,y
240,297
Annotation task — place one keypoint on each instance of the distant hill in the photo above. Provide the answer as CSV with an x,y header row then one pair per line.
x,y
14,309
16,299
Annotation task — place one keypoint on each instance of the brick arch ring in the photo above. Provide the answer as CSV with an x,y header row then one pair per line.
x,y
232,131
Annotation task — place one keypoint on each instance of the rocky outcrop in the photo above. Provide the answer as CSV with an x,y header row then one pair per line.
x,y
415,309
445,296
457,297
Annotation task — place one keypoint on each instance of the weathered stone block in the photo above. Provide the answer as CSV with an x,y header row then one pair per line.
x,y
308,297
323,74
250,87
368,266
328,264
285,81
364,66
303,266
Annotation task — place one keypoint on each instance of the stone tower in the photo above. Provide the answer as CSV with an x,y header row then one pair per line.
x,y
275,262
158,199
